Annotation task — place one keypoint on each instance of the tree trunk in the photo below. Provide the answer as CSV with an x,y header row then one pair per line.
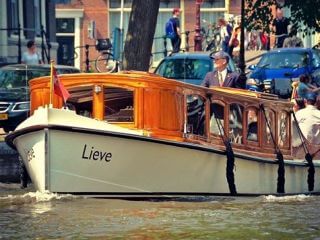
x,y
139,39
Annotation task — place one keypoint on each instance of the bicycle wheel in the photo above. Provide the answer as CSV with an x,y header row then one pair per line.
x,y
105,63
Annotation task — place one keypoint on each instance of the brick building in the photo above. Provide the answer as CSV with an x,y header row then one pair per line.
x,y
81,22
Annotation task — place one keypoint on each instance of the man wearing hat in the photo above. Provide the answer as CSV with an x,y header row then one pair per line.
x,y
221,76
308,119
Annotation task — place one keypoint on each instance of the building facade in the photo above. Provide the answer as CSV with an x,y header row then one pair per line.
x,y
89,20
23,20
82,22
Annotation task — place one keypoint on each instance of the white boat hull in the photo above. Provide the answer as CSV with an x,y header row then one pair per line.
x,y
85,161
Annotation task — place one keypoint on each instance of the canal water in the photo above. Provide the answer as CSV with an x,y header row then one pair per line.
x,y
26,214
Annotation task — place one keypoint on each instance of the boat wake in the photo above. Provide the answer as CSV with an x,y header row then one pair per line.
x,y
35,197
294,198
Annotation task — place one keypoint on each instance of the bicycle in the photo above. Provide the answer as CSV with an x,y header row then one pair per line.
x,y
211,41
277,39
105,62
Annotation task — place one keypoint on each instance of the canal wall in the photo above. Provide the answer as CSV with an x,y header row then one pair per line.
x,y
9,163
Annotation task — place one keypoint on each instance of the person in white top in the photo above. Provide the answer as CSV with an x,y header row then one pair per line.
x,y
225,33
31,56
308,119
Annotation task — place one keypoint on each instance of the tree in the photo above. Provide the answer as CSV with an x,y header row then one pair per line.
x,y
305,15
139,39
306,12
258,14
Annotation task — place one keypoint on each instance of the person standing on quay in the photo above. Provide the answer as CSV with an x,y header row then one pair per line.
x,y
31,56
280,26
176,40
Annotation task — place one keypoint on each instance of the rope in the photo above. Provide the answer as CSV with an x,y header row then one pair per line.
x,y
308,157
281,169
230,159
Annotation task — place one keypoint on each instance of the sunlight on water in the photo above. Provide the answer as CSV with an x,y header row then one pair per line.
x,y
300,197
35,197
36,215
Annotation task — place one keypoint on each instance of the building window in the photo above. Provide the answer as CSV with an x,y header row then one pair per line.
x,y
169,4
117,3
63,1
65,25
213,4
37,16
211,11
32,19
13,16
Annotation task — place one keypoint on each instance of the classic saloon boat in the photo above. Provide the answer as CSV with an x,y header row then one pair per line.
x,y
137,134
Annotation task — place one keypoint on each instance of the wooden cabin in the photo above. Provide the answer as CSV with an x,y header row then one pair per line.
x,y
169,109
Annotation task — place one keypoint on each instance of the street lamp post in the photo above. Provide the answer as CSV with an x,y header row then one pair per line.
x,y
197,36
242,64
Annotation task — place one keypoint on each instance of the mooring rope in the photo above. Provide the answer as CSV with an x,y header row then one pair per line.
x,y
281,169
230,159
308,157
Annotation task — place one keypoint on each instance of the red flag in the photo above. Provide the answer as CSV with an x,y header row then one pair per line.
x,y
58,87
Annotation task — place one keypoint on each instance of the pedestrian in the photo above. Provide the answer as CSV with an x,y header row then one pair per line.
x,y
225,33
234,44
308,119
280,26
31,56
306,87
293,40
173,30
221,75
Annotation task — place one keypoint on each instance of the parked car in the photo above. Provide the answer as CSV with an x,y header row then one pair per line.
x,y
278,68
14,91
188,67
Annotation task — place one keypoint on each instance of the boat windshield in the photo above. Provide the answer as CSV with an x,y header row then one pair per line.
x,y
278,60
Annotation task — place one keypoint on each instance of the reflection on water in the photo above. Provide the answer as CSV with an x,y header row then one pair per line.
x,y
33,215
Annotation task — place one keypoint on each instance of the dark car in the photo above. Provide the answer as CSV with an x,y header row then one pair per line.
x,y
14,91
188,67
277,69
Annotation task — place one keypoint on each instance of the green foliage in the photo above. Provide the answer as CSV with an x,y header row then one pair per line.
x,y
258,14
305,14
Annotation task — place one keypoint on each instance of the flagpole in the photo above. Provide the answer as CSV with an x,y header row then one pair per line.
x,y
51,82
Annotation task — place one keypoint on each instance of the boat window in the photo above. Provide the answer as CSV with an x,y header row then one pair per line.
x,y
118,104
235,123
283,126
252,124
216,119
195,115
267,137
80,100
